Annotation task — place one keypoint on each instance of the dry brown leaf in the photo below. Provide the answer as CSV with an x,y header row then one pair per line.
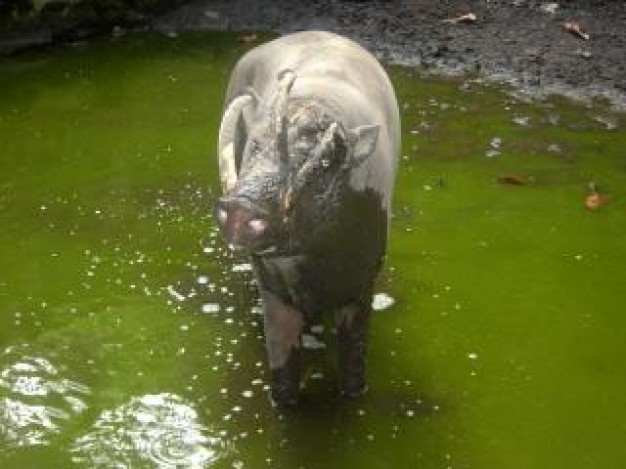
x,y
595,200
511,179
574,28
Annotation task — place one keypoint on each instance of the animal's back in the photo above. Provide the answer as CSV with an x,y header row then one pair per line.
x,y
324,61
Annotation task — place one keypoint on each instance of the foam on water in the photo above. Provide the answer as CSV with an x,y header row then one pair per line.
x,y
382,301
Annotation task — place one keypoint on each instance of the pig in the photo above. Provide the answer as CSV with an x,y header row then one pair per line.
x,y
308,151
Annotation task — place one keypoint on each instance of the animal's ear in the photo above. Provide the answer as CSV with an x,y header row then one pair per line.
x,y
364,139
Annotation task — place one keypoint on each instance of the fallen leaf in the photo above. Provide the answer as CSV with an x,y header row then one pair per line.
x,y
595,200
511,179
574,28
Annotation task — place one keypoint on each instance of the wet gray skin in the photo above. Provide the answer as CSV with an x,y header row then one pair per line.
x,y
307,152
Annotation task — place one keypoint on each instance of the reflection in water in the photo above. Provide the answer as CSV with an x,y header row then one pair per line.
x,y
156,428
35,399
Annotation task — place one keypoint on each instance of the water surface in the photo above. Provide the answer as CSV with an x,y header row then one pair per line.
x,y
130,337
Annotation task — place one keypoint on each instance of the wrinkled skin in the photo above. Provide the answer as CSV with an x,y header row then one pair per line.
x,y
308,152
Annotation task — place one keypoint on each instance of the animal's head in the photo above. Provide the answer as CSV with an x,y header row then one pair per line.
x,y
280,162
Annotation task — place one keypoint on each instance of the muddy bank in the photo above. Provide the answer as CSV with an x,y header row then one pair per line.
x,y
522,42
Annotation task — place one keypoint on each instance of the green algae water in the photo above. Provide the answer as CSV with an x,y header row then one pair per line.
x,y
130,337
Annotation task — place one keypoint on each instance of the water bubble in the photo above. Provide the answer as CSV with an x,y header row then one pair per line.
x,y
244,267
555,148
211,308
524,121
495,144
310,342
382,301
176,295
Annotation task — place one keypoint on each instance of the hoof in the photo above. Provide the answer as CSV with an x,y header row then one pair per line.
x,y
284,389
282,395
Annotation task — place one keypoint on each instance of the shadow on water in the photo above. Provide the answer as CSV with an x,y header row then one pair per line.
x,y
371,430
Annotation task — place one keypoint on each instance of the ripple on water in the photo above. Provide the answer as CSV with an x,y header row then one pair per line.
x,y
158,429
36,400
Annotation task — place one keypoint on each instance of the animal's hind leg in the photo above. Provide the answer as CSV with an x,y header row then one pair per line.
x,y
352,331
283,327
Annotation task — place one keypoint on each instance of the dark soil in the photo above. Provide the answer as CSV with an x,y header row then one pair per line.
x,y
522,42
518,41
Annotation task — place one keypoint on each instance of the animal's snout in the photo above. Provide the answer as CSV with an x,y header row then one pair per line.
x,y
243,224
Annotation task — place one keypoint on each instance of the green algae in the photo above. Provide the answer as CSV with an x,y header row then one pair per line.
x,y
503,346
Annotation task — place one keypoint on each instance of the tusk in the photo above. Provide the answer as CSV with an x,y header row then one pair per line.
x,y
228,170
226,144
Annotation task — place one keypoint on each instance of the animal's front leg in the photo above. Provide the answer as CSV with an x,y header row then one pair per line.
x,y
283,327
352,332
